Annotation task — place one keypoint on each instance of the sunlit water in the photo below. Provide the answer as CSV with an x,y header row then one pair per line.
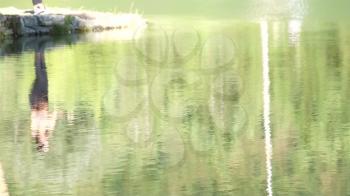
x,y
196,107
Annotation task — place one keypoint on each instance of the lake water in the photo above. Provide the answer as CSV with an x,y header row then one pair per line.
x,y
189,106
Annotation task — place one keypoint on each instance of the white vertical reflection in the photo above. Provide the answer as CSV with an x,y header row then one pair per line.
x,y
3,185
266,102
294,30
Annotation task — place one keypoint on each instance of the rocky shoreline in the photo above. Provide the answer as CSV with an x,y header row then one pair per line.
x,y
18,23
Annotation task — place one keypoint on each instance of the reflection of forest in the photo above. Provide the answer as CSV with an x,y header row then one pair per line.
x,y
192,130
310,109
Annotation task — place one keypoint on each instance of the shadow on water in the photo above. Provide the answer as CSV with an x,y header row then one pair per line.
x,y
42,121
49,134
10,46
26,44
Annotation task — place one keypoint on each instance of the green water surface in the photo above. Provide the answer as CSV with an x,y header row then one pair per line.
x,y
179,110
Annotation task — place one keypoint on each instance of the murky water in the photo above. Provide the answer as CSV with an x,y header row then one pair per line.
x,y
189,107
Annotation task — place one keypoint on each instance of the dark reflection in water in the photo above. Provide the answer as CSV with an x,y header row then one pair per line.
x,y
42,121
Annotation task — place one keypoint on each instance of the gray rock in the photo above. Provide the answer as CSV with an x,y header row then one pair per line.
x,y
43,30
2,18
28,31
16,24
6,31
21,23
29,21
75,23
49,20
